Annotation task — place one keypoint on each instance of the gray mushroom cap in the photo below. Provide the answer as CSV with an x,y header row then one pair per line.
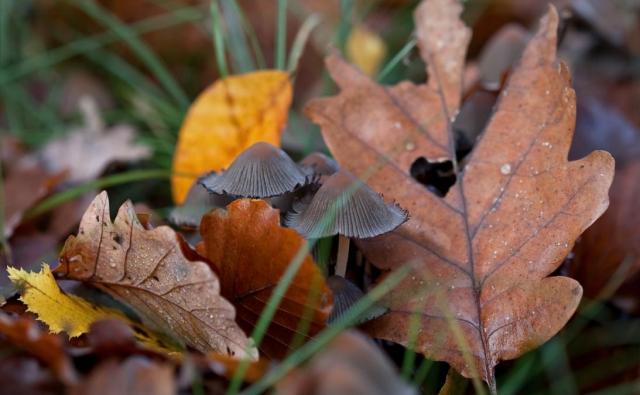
x,y
346,294
347,206
260,171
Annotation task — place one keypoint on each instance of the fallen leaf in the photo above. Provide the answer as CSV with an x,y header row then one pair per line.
x,y
482,254
25,333
366,50
71,314
228,117
135,376
251,252
24,186
61,312
608,254
350,364
151,271
86,152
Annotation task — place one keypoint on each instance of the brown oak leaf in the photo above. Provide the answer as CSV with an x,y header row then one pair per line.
x,y
155,273
251,252
481,256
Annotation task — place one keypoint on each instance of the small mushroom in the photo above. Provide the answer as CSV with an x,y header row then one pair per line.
x,y
346,294
319,164
261,171
346,206
197,203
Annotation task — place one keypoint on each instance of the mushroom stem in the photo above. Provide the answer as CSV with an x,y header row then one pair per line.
x,y
343,256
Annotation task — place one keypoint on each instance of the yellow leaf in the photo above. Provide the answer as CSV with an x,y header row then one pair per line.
x,y
366,50
229,116
71,314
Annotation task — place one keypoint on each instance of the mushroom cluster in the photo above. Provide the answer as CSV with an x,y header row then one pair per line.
x,y
316,197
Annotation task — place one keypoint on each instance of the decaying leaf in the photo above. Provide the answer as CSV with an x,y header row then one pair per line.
x,y
251,251
48,348
71,314
350,364
86,152
481,256
150,270
135,376
229,116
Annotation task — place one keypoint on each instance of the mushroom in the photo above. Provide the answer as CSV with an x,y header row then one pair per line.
x,y
261,171
198,202
346,294
319,164
346,206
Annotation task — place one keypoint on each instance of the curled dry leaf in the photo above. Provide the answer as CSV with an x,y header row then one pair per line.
x,y
86,152
151,271
135,376
351,364
229,116
481,256
71,314
48,348
251,252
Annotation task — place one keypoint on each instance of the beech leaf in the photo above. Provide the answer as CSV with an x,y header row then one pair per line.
x,y
150,271
251,251
228,117
72,314
481,256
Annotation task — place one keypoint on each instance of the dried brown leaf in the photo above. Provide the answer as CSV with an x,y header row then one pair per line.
x,y
151,271
251,252
482,255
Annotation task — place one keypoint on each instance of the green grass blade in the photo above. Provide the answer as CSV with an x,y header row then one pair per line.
x,y
281,34
78,47
404,51
105,182
238,47
344,28
145,54
218,40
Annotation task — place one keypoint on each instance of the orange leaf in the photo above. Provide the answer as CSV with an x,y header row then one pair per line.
x,y
251,252
231,115
480,256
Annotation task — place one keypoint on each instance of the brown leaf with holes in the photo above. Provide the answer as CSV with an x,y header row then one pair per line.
x,y
251,252
155,273
24,332
481,256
